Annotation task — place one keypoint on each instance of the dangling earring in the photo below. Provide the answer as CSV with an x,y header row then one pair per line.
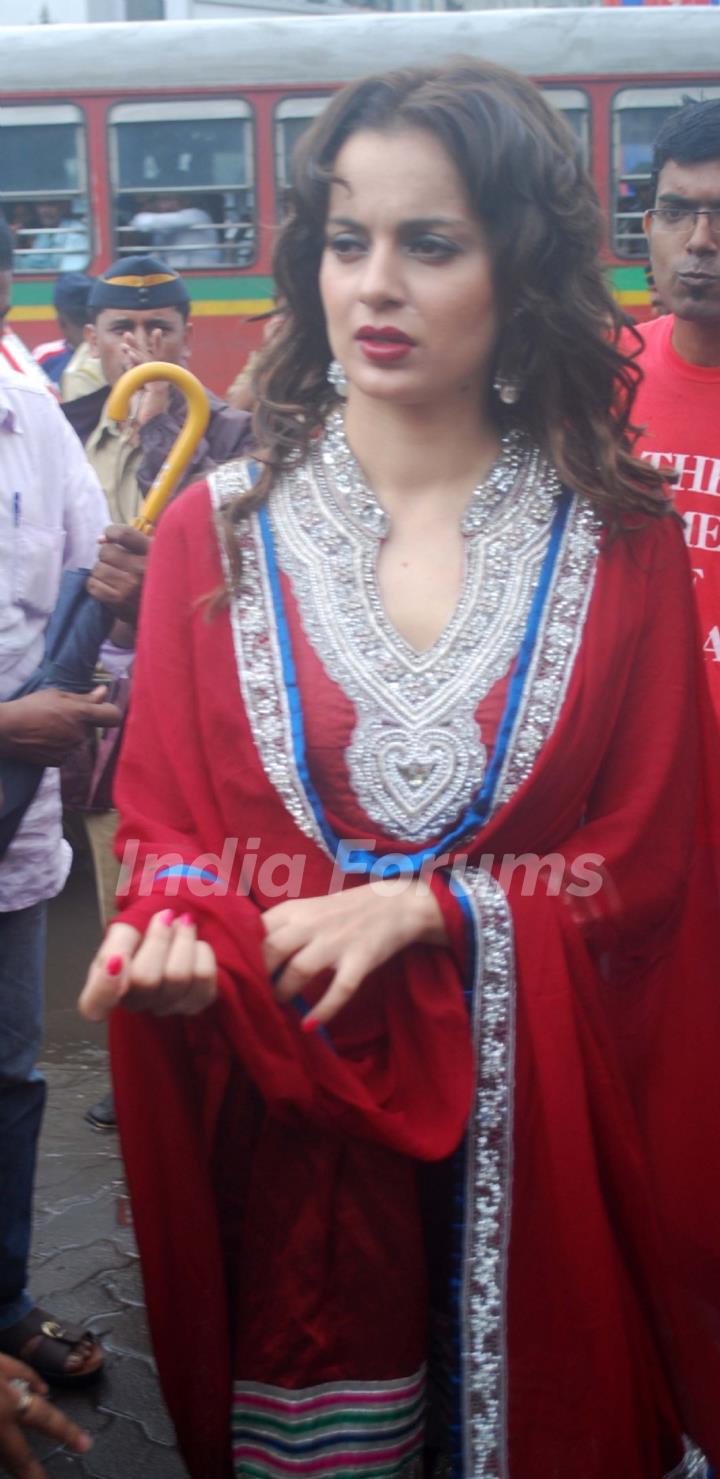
x,y
337,378
508,391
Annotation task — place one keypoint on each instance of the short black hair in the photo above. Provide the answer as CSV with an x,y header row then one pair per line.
x,y
6,246
689,136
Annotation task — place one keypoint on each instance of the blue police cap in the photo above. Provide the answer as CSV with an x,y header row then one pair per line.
x,y
139,282
71,294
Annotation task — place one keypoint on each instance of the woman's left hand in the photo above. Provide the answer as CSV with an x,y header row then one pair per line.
x,y
350,933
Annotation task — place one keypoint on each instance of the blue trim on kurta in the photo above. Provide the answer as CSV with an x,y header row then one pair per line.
x,y
186,870
291,686
357,860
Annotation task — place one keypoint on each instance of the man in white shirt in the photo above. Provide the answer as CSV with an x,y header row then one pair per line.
x,y
52,512
183,235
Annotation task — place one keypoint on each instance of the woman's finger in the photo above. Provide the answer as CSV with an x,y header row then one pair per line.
x,y
278,947
179,971
347,979
180,962
304,967
147,968
109,975
181,999
204,987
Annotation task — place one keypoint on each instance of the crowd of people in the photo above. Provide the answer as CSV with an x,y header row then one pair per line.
x,y
416,952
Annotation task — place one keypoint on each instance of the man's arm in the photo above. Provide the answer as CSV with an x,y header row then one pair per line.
x,y
163,222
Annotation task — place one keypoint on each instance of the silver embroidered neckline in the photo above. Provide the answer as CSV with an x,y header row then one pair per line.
x,y
347,486
417,756
331,567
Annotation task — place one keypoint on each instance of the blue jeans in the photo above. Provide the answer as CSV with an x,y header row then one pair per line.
x,y
22,1096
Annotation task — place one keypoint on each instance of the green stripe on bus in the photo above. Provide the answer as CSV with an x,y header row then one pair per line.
x,y
32,294
629,279
236,286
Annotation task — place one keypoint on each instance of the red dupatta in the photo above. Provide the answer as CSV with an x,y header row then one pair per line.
x,y
595,1029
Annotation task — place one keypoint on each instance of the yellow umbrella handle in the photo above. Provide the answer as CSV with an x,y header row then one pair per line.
x,y
176,462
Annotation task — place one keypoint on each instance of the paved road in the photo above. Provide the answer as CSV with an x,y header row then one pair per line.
x,y
85,1265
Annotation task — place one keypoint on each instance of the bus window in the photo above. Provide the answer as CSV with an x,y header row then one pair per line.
x,y
636,118
43,186
182,176
575,109
291,119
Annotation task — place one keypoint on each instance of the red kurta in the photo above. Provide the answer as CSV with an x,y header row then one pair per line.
x,y
274,1174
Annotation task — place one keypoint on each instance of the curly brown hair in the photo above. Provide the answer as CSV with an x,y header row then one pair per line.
x,y
559,324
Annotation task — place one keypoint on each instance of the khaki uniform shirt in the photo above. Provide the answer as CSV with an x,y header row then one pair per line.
x,y
116,458
82,375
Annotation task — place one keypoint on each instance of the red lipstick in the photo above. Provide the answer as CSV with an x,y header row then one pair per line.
x,y
384,345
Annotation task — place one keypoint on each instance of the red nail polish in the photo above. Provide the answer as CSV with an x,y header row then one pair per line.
x,y
166,917
186,919
114,965
309,1024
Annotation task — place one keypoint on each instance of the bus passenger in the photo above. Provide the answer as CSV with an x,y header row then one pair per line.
x,y
183,235
62,245
678,403
413,992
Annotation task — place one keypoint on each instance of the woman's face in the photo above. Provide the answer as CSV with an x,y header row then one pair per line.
x,y
406,274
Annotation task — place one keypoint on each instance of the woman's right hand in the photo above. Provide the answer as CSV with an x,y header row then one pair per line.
x,y
22,1406
167,971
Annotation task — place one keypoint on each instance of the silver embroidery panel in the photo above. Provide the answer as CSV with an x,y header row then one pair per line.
x,y
488,1187
416,757
544,690
556,648
258,658
692,1466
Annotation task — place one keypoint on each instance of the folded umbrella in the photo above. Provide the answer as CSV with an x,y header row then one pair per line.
x,y
76,631
80,624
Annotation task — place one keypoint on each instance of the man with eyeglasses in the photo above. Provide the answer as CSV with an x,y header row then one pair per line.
x,y
678,404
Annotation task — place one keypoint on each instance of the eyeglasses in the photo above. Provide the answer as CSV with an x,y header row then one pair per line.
x,y
683,218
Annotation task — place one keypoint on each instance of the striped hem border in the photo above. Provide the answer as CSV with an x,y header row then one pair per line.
x,y
335,1430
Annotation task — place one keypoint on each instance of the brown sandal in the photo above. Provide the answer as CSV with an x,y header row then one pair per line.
x,y
45,1344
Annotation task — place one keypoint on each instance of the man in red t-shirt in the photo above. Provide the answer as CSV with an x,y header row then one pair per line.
x,y
678,404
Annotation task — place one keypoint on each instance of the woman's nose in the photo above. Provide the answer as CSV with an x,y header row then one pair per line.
x,y
382,279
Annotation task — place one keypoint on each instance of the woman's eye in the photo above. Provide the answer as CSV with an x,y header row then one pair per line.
x,y
434,248
346,245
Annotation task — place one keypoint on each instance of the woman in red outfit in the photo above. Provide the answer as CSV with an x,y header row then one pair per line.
x,y
416,1045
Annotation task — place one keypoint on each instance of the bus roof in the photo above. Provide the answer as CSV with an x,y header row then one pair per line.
x,y
289,50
